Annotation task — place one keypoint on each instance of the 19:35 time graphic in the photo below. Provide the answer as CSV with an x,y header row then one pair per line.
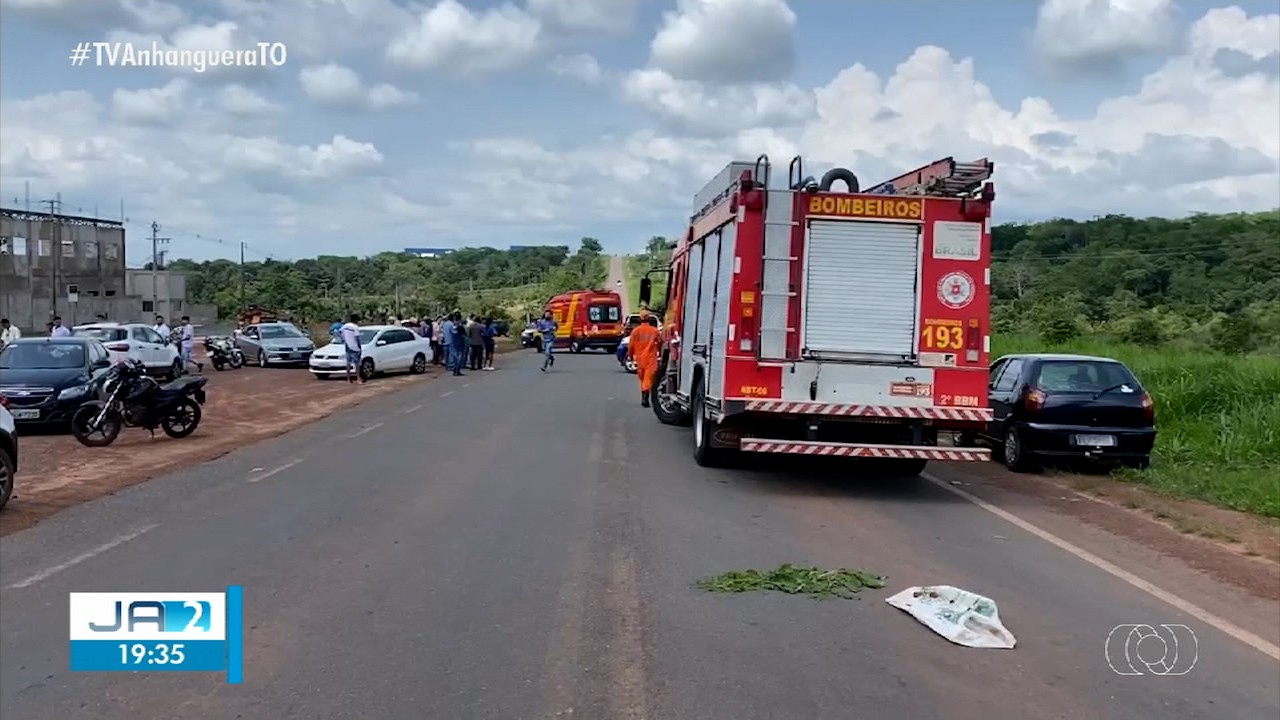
x,y
152,654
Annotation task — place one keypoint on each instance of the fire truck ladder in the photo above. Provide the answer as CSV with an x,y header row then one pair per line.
x,y
945,178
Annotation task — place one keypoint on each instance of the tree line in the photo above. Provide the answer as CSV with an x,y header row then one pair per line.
x,y
1203,281
1200,281
485,280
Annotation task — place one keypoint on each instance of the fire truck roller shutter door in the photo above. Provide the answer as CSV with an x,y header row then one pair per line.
x,y
860,288
689,317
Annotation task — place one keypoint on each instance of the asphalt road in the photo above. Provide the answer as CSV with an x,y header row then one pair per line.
x,y
617,280
523,545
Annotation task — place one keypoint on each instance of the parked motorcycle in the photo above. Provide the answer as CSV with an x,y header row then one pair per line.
x,y
223,352
132,398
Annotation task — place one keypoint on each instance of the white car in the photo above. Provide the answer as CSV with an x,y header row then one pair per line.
x,y
385,348
135,341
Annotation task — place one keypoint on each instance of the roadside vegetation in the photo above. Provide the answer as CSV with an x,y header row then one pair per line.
x,y
656,255
504,284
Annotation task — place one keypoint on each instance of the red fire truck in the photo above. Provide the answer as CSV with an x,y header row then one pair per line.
x,y
812,321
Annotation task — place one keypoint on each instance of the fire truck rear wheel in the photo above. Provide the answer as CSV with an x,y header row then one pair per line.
x,y
665,408
575,346
704,428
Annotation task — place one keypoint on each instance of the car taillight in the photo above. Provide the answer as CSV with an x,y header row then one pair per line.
x,y
1033,399
118,347
972,340
1148,407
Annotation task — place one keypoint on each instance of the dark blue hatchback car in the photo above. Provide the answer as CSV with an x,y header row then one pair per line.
x,y
1068,406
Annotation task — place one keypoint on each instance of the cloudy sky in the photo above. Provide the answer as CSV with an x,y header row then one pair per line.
x,y
447,123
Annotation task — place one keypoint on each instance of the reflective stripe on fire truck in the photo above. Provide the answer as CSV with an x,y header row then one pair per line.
x,y
885,411
895,452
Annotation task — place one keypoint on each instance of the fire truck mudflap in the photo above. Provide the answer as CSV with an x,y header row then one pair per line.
x,y
807,321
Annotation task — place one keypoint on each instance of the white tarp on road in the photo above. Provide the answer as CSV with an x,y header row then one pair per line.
x,y
957,615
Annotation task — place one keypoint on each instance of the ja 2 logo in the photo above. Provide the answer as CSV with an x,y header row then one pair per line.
x,y
169,616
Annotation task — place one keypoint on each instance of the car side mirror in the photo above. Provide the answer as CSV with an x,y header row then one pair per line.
x,y
646,289
380,343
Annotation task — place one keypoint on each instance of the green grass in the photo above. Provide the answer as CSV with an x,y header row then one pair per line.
x,y
1217,419
635,266
811,581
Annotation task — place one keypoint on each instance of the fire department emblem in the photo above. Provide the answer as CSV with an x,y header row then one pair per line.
x,y
955,290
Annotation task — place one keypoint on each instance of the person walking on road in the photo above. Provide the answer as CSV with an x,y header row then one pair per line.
x,y
350,333
446,341
8,333
547,327
58,329
187,344
642,348
475,338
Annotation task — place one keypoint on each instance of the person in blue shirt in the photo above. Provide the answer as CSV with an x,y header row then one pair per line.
x,y
446,341
547,327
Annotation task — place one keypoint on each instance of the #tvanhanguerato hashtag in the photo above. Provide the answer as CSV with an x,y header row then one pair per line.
x,y
126,54
80,54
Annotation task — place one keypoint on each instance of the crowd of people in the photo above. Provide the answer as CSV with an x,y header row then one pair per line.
x,y
457,343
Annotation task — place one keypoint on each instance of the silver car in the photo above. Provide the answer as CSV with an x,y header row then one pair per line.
x,y
275,343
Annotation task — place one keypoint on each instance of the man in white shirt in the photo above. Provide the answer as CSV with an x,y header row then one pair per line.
x,y
161,328
59,330
350,333
8,333
187,344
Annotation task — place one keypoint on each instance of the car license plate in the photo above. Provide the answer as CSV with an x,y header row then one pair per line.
x,y
1096,440
26,414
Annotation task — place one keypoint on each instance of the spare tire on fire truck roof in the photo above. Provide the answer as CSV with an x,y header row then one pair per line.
x,y
835,174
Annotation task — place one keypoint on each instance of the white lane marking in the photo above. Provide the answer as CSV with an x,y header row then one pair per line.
x,y
1199,613
466,385
369,429
413,409
447,393
54,570
264,475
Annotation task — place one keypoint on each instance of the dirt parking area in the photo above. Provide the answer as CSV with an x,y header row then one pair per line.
x,y
57,472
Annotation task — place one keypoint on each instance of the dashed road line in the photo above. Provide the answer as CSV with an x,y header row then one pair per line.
x,y
413,409
364,431
1199,613
259,476
55,569
446,393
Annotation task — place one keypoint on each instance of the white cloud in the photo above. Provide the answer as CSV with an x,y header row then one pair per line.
x,y
1102,33
80,15
1192,138
726,41
339,86
1199,132
238,100
608,16
321,31
150,106
581,67
450,36
699,108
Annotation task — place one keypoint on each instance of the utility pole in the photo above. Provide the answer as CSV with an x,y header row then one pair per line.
x,y
398,300
242,305
156,240
55,251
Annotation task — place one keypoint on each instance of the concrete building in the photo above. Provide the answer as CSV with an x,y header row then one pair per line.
x,y
72,267
165,292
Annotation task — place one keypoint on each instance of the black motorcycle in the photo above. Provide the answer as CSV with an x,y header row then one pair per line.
x,y
223,352
132,398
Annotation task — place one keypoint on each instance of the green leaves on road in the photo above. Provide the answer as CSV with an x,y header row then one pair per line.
x,y
787,578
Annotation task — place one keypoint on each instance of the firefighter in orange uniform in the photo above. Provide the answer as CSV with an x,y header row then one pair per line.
x,y
642,347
